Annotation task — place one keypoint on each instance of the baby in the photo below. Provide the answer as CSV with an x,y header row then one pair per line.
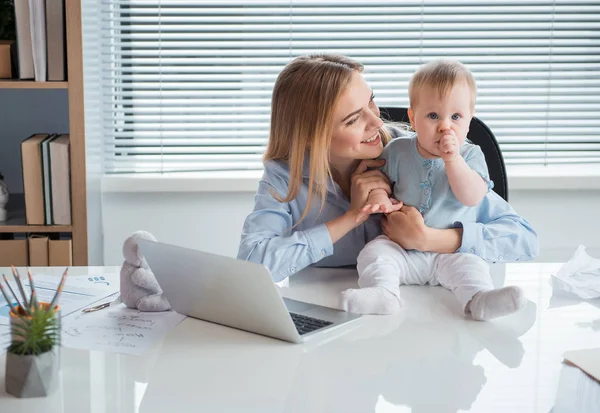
x,y
446,178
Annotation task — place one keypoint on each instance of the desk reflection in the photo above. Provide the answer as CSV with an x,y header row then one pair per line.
x,y
415,360
232,371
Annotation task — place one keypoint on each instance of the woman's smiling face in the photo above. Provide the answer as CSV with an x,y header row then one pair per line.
x,y
356,124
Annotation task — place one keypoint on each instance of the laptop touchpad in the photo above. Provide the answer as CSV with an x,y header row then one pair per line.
x,y
297,306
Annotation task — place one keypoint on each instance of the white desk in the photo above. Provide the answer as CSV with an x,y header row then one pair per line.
x,y
427,359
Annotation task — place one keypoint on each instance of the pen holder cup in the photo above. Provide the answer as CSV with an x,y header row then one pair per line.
x,y
32,370
20,318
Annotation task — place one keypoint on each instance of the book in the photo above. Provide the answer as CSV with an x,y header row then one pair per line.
x,y
13,252
587,360
60,180
24,44
55,40
59,252
576,391
37,10
31,160
38,250
5,59
46,178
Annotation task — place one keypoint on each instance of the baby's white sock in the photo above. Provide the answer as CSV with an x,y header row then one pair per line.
x,y
371,300
486,305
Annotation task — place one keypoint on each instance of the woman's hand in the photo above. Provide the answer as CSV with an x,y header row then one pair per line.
x,y
363,182
407,228
377,202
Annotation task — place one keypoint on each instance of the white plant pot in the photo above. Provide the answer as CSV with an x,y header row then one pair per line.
x,y
32,376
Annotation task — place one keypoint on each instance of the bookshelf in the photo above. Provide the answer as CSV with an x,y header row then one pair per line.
x,y
29,84
18,226
16,223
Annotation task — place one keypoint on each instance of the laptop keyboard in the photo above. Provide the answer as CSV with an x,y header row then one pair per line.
x,y
306,324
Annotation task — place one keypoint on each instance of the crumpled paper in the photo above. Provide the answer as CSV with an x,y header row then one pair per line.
x,y
580,275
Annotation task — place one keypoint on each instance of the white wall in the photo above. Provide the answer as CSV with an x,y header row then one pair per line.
x,y
562,219
212,221
94,133
207,221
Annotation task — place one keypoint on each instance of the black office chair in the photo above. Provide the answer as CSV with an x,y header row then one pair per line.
x,y
480,135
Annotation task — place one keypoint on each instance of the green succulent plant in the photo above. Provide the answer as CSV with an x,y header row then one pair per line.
x,y
35,333
35,326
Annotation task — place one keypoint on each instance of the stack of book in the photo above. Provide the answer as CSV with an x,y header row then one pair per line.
x,y
36,251
49,251
47,191
41,39
46,179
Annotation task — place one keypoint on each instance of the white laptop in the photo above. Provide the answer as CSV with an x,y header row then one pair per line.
x,y
235,293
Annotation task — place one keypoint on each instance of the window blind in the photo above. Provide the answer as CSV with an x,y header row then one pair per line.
x,y
186,84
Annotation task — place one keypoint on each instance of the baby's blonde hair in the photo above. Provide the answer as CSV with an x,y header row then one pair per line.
x,y
441,75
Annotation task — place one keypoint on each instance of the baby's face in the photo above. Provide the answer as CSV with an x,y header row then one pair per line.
x,y
435,116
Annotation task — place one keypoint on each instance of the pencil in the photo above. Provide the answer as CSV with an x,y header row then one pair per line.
x,y
59,289
13,293
9,302
18,279
33,299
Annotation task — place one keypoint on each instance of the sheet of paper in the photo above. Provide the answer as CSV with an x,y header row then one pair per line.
x,y
117,329
587,360
79,291
580,275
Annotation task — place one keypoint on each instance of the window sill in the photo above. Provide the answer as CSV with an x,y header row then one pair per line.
x,y
229,181
554,177
560,177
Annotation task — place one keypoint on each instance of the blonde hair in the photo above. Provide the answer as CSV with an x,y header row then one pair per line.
x,y
441,75
304,97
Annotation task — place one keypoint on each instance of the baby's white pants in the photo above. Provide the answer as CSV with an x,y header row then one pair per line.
x,y
383,263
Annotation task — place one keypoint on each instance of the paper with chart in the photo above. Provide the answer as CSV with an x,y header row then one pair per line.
x,y
79,291
117,329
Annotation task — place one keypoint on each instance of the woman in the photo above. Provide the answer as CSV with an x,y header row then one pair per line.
x,y
325,134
